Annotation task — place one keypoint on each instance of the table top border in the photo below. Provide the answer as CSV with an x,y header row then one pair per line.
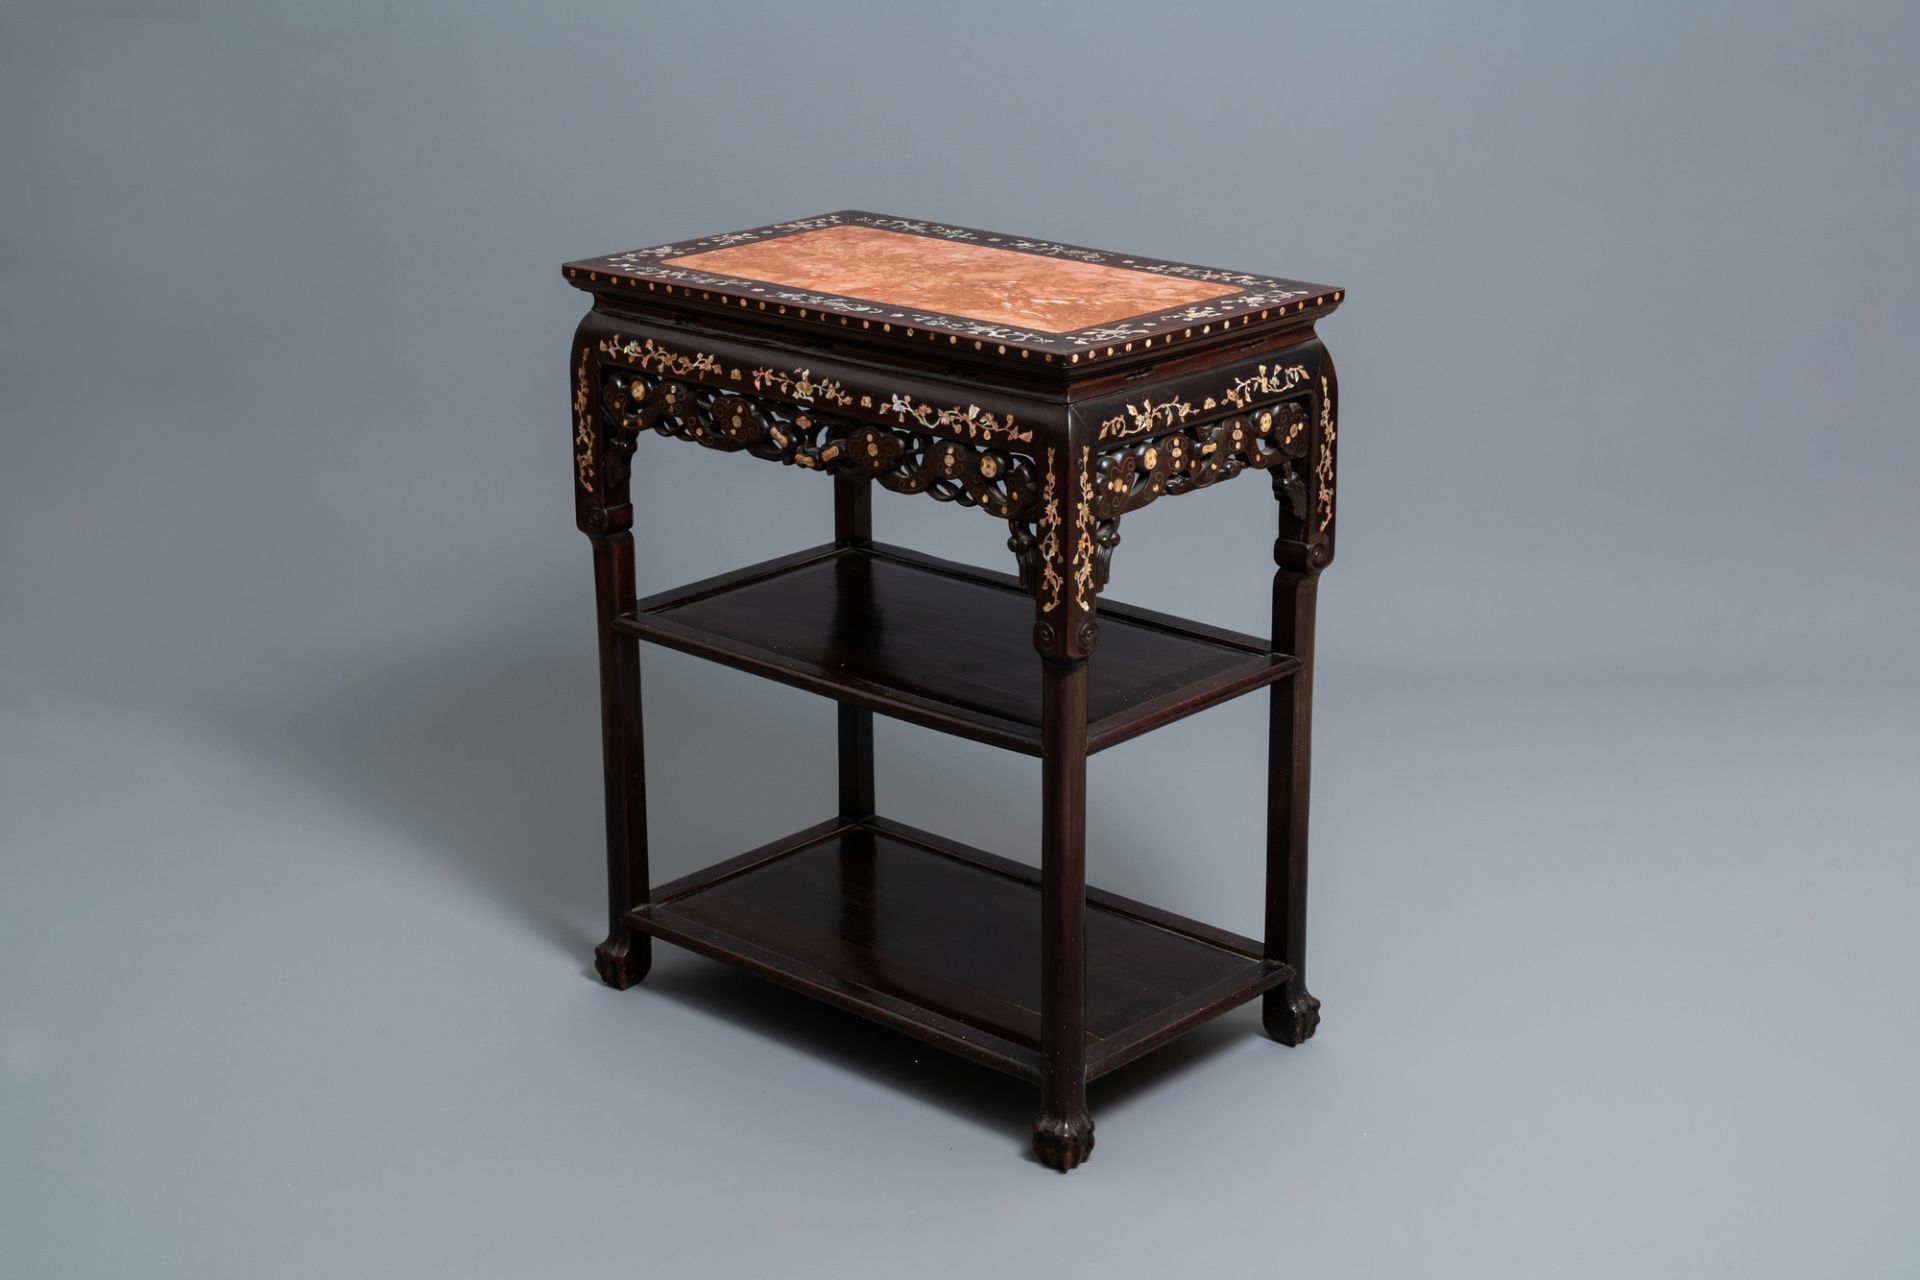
x,y
1259,299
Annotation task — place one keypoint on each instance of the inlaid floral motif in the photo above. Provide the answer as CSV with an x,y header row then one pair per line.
x,y
971,422
582,425
1278,382
802,386
1084,586
912,227
658,359
1208,274
1145,416
1051,583
1056,250
1323,469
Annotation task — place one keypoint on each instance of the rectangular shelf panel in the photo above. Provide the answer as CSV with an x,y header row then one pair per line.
x,y
943,942
946,645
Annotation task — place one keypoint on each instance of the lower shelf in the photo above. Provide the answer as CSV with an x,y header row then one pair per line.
x,y
943,942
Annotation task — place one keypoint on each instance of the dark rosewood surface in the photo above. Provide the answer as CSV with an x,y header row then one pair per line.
x,y
945,645
1061,391
943,941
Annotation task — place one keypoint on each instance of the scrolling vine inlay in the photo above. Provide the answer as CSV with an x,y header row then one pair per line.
x,y
1145,416
971,422
1084,585
582,425
1051,583
1323,470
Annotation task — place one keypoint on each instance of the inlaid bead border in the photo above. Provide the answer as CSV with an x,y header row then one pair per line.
x,y
1273,296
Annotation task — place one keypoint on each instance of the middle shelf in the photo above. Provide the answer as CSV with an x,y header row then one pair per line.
x,y
945,645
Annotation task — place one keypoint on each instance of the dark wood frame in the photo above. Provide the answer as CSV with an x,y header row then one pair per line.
x,y
1062,451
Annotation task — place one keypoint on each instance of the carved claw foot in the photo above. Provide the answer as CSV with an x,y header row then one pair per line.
x,y
1290,1014
623,961
1063,1141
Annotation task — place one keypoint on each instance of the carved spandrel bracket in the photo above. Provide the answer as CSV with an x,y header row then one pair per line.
x,y
1272,439
1306,540
1060,555
1126,477
600,491
1276,416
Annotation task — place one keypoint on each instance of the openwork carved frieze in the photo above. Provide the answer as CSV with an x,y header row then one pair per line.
x,y
1271,439
969,422
1274,439
995,480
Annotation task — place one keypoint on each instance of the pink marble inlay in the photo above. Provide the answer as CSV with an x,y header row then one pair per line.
x,y
1000,286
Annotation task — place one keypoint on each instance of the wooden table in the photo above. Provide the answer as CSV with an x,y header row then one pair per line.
x,y
1056,388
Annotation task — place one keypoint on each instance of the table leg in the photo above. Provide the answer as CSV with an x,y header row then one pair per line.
x,y
1305,547
856,764
1290,1013
623,959
852,527
1063,1131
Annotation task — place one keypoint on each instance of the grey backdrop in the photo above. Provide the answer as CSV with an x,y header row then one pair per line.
x,y
299,807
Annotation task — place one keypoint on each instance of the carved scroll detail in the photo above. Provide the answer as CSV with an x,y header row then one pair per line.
x,y
998,482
